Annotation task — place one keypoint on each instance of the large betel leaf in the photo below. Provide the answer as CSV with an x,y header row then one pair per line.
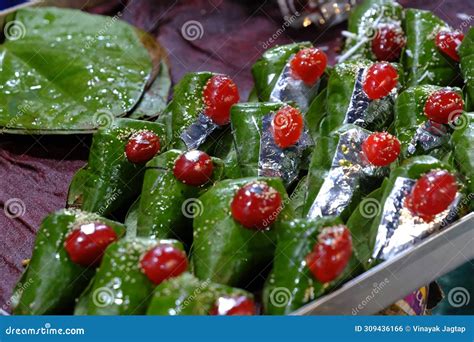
x,y
65,67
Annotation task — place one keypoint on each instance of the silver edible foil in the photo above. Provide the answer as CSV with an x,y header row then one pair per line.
x,y
289,89
399,229
198,131
359,102
274,161
348,167
429,135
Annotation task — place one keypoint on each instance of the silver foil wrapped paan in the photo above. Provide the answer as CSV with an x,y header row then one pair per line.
x,y
399,228
349,166
429,135
274,161
289,89
367,113
356,112
198,131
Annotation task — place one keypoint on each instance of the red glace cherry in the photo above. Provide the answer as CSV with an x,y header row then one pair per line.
x,y
163,262
443,106
381,148
330,254
448,43
256,205
193,168
142,146
388,43
308,65
287,126
233,306
86,244
220,93
432,194
381,78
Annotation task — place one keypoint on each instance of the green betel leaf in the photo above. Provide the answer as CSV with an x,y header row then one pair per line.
x,y
67,66
363,24
120,287
466,52
246,122
422,60
185,107
364,227
462,141
223,250
290,284
269,67
110,180
52,280
167,205
186,295
411,123
340,90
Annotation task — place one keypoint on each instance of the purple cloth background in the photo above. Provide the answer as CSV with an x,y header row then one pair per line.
x,y
37,170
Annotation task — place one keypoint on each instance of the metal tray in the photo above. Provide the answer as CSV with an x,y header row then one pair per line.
x,y
392,280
